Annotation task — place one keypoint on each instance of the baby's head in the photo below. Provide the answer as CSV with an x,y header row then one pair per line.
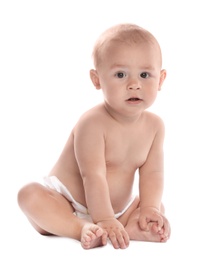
x,y
127,34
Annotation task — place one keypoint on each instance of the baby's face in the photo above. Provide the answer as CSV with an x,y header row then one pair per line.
x,y
130,76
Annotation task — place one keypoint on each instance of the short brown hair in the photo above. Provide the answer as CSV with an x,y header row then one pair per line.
x,y
123,33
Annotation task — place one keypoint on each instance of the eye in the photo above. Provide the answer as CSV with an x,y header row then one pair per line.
x,y
144,75
120,75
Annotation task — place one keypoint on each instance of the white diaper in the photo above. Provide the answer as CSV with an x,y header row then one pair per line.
x,y
81,211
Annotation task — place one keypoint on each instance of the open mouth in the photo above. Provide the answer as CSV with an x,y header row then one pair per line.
x,y
133,99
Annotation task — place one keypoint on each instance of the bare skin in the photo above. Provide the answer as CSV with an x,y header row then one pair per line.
x,y
109,145
91,236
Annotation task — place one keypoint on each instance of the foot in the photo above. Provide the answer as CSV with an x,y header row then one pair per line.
x,y
163,236
92,236
152,235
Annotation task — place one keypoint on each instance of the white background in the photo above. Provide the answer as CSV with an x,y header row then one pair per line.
x,y
45,58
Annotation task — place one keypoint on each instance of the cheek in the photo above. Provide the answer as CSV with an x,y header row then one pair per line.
x,y
107,92
151,93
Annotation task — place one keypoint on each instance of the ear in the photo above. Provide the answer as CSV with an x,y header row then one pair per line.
x,y
95,78
162,78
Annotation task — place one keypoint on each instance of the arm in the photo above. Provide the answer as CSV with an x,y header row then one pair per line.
x,y
90,151
151,181
89,143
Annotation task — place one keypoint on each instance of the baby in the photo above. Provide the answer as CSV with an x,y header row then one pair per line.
x,y
88,195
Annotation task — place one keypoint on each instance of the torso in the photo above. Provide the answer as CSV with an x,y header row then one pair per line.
x,y
126,149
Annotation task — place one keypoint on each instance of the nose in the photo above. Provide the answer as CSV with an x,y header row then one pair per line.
x,y
135,85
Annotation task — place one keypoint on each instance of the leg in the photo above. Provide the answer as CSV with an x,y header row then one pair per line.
x,y
52,214
130,220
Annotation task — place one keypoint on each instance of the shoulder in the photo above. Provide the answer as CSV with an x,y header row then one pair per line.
x,y
153,121
94,115
92,119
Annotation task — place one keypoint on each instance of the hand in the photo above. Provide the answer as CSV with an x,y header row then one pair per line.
x,y
165,231
115,232
150,214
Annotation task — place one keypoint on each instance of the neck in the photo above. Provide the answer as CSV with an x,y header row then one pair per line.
x,y
122,118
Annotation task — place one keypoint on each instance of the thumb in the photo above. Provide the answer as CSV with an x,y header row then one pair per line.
x,y
143,223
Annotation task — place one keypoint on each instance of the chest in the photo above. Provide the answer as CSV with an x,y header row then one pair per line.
x,y
128,148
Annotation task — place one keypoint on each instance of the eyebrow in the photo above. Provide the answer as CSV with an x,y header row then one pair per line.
x,y
115,65
147,67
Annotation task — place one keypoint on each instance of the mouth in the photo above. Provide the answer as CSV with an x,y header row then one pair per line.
x,y
133,99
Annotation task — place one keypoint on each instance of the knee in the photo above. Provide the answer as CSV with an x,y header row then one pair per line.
x,y
27,193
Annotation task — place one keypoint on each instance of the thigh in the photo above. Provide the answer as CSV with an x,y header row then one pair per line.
x,y
37,202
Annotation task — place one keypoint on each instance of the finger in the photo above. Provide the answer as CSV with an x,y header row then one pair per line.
x,y
113,239
155,217
104,238
126,239
143,223
122,239
160,222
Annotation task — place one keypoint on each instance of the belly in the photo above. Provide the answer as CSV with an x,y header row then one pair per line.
x,y
120,189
